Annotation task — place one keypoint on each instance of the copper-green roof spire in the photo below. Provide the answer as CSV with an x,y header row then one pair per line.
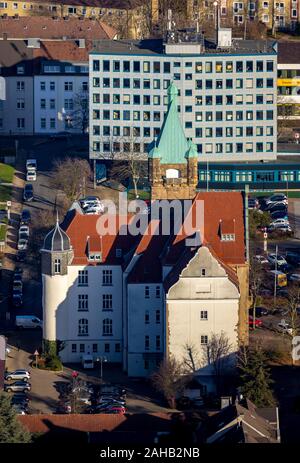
x,y
172,146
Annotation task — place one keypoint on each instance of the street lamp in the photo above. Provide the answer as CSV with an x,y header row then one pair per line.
x,y
101,360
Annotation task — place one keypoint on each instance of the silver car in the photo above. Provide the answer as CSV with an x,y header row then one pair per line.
x,y
18,386
22,375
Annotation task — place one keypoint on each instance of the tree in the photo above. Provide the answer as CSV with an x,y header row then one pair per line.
x,y
255,284
80,115
130,163
255,377
71,176
293,303
11,430
169,380
216,354
257,220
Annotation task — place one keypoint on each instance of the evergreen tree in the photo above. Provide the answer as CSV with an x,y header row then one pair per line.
x,y
255,377
11,430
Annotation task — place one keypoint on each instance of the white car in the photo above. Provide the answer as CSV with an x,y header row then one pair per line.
x,y
261,259
22,244
22,375
295,277
279,259
284,327
90,201
277,198
24,229
92,211
31,165
279,222
31,176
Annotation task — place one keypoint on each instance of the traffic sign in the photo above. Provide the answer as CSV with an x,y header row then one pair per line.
x,y
36,353
297,135
265,235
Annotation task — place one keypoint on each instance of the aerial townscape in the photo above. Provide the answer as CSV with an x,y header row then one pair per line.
x,y
149,225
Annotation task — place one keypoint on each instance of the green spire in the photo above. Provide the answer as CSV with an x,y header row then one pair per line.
x,y
172,146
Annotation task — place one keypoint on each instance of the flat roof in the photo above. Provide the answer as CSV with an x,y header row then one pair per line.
x,y
156,47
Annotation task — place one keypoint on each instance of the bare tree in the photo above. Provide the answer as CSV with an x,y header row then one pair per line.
x,y
169,380
216,353
71,175
191,358
79,117
255,284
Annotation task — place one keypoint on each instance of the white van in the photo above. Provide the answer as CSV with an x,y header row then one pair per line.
x,y
87,361
31,165
28,321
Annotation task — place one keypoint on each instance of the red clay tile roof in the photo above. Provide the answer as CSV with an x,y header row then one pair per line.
x,y
47,28
63,51
225,206
81,226
89,423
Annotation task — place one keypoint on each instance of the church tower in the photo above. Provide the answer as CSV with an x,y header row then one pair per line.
x,y
173,160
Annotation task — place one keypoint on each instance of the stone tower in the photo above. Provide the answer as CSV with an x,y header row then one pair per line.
x,y
57,254
173,160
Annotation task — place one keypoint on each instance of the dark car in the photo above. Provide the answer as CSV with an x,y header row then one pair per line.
x,y
28,192
18,271
279,215
17,299
21,255
292,258
278,207
259,312
25,216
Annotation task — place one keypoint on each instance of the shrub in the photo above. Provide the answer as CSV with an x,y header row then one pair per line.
x,y
52,362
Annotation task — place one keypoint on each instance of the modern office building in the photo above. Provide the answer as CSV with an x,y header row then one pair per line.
x,y
288,82
227,95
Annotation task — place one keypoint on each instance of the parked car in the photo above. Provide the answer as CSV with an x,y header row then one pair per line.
x,y
31,165
277,207
285,228
89,200
18,386
92,211
284,327
22,242
258,323
31,176
278,197
21,397
294,277
24,229
21,255
292,258
278,222
259,312
261,259
28,192
279,215
17,299
253,203
17,374
19,409
273,259
25,217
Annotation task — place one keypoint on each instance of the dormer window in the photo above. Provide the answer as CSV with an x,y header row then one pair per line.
x,y
94,257
228,237
203,272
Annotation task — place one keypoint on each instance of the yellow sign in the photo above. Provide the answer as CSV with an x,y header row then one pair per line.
x,y
282,279
288,82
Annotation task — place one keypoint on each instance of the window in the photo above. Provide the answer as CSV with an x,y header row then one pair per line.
x,y
117,347
147,317
95,348
204,340
228,237
68,86
208,66
136,66
96,65
229,66
203,315
83,302
269,115
270,83
239,66
157,292
52,103
107,301
156,66
146,364
43,123
198,67
20,69
74,348
106,348
167,68
157,342
270,66
68,104
146,66
107,277
83,327
43,103
239,99
147,292
81,348
20,103
82,278
107,327
20,85
52,123
147,343
57,266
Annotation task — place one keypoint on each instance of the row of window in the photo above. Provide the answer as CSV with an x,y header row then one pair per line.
x,y
210,132
197,67
157,317
83,302
95,348
83,327
106,278
53,8
248,147
246,176
149,345
108,82
68,86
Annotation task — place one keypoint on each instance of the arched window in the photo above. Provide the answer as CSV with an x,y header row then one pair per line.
x,y
83,327
57,266
107,327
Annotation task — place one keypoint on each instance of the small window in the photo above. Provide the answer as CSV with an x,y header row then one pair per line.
x,y
204,340
95,348
147,292
157,317
147,343
81,348
157,292
147,317
74,348
107,301
203,272
107,278
203,315
82,278
106,348
57,266
117,347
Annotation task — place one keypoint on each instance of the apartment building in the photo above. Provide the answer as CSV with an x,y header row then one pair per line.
x,y
288,82
227,95
127,17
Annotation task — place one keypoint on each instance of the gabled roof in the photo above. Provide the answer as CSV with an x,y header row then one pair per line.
x,y
172,146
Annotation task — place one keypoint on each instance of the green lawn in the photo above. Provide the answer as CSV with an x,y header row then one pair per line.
x,y
291,194
5,193
2,232
6,173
